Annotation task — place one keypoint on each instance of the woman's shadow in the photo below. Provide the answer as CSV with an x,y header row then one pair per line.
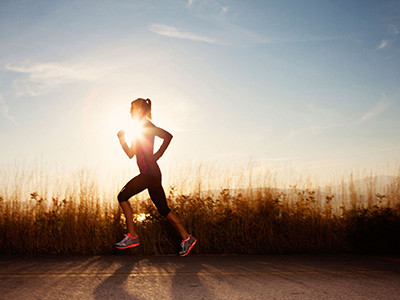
x,y
113,287
187,280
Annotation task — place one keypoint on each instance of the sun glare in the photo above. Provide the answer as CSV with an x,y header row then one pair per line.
x,y
141,217
135,129
123,121
109,125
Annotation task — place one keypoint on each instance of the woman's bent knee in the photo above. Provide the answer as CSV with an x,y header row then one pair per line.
x,y
164,211
121,198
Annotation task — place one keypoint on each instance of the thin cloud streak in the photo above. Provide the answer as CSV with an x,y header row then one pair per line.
x,y
233,35
313,130
383,44
41,78
5,110
50,70
225,9
393,30
174,32
379,108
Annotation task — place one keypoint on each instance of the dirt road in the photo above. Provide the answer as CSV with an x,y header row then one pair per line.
x,y
200,277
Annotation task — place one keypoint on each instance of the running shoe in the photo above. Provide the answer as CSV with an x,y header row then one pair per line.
x,y
187,245
128,242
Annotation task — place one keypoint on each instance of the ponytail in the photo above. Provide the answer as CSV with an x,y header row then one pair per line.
x,y
148,108
145,105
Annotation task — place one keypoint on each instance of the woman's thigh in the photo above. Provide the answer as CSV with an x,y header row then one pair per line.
x,y
133,187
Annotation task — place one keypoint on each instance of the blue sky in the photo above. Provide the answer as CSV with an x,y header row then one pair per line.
x,y
312,84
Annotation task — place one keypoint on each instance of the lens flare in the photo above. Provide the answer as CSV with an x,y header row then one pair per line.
x,y
141,217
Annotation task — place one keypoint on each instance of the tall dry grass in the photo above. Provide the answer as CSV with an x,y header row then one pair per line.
x,y
249,213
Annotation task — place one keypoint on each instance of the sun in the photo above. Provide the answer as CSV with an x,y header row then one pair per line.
x,y
104,133
134,131
123,121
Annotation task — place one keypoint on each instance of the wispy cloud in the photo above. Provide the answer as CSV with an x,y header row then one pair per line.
x,y
230,34
6,111
383,44
52,70
224,9
379,108
208,8
317,109
179,33
40,78
393,30
312,130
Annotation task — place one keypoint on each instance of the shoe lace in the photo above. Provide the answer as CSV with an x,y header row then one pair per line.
x,y
126,238
185,246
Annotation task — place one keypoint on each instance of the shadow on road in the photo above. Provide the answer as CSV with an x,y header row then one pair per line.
x,y
187,283
113,287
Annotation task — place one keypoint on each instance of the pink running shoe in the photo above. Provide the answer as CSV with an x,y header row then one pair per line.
x,y
187,245
128,242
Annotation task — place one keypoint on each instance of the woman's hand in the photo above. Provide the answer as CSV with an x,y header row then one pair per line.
x,y
166,136
121,136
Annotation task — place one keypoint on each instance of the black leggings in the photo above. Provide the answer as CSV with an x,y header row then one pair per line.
x,y
156,191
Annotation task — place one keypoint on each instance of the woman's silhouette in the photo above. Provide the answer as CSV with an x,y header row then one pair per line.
x,y
150,175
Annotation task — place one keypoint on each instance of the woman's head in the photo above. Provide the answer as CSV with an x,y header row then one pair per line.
x,y
141,108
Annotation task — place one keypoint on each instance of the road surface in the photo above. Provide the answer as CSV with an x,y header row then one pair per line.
x,y
200,277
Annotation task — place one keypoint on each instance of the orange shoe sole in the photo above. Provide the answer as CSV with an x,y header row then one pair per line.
x,y
190,248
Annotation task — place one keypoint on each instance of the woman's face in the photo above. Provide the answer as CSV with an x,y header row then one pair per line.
x,y
136,112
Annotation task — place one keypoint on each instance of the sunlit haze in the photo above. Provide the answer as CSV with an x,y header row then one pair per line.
x,y
313,85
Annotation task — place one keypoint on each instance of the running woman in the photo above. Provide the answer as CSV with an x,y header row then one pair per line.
x,y
150,175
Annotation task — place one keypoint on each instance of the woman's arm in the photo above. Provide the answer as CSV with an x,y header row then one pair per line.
x,y
167,137
129,151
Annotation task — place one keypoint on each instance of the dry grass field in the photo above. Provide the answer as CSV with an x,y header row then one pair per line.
x,y
359,215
